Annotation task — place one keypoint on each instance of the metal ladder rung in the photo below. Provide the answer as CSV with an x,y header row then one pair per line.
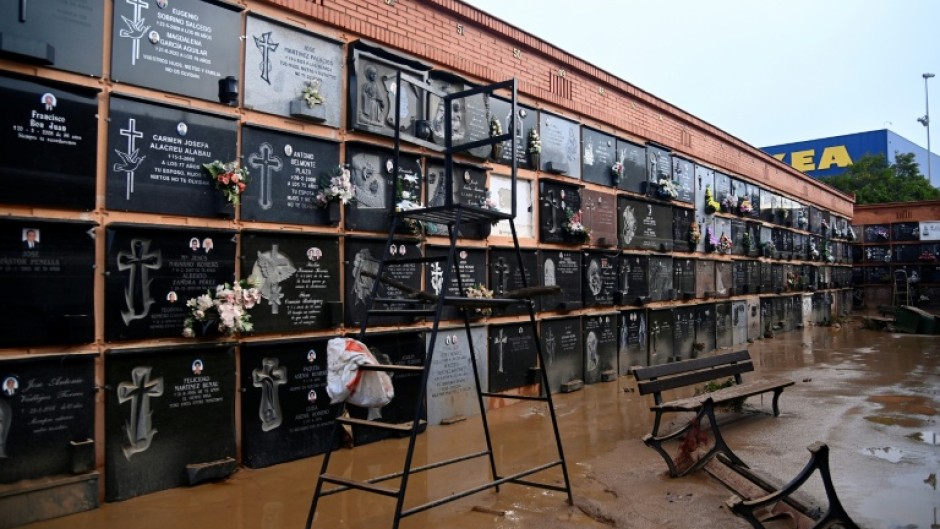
x,y
401,312
395,427
479,302
402,301
417,260
391,368
517,397
356,484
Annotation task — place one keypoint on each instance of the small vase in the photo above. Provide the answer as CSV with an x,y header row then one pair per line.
x,y
496,152
534,161
300,109
332,212
223,208
485,229
207,329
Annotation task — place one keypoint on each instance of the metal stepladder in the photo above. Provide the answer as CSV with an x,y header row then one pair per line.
x,y
451,214
902,288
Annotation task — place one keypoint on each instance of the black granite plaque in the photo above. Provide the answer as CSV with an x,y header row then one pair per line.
x,y
723,280
722,187
48,269
905,231
644,225
402,349
47,404
372,176
468,186
633,158
62,34
562,268
167,408
738,231
281,62
600,346
506,275
598,155
753,192
754,277
704,278
877,254
633,340
704,180
724,325
660,278
600,278
48,143
930,273
156,155
470,117
373,92
286,412
683,333
287,171
766,205
766,277
513,357
739,277
876,233
683,176
815,220
362,264
635,285
683,278
682,219
527,120
185,47
777,278
151,272
471,265
298,276
705,333
658,163
561,153
901,253
738,194
562,347
661,336
599,212
559,207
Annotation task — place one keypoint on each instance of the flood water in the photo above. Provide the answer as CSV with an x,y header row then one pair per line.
x,y
873,397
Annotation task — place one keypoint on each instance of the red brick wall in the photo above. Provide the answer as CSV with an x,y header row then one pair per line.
x,y
897,212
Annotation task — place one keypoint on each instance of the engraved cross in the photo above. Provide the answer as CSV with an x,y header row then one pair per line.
x,y
267,163
139,391
268,378
139,261
266,45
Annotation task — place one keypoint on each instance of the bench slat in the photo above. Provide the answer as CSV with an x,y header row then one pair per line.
x,y
663,370
748,389
695,377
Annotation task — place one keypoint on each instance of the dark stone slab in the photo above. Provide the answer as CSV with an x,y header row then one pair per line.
x,y
452,389
561,268
644,225
704,278
470,118
658,163
558,202
287,172
661,278
683,333
472,266
527,119
877,254
362,262
901,253
738,231
930,273
48,144
876,233
184,48
156,155
766,205
815,220
704,179
635,284
561,153
683,278
600,346
171,407
52,282
513,361
766,277
682,220
599,212
777,279
63,34
600,281
661,341
47,403
468,186
739,277
739,322
633,341
598,155
151,272
722,186
683,175
723,278
633,157
754,277
506,274
706,321
562,347
372,176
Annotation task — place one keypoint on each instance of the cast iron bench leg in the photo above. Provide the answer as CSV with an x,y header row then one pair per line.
x,y
777,393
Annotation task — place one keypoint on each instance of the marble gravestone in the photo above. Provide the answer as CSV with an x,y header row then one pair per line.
x,y
661,279
753,319
683,278
451,389
682,219
754,277
298,276
562,268
634,285
371,171
905,231
683,333
285,412
766,277
633,158
281,61
739,322
724,327
740,279
527,119
766,204
561,139
738,231
288,171
600,347
468,187
562,349
724,283
660,325
47,416
472,266
722,187
362,263
632,340
598,154
48,143
704,179
600,277
506,275
558,204
754,193
151,272
65,34
599,213
398,348
169,410
644,226
683,175
180,47
704,278
156,155
876,233
877,253
513,357
658,164
501,192
48,267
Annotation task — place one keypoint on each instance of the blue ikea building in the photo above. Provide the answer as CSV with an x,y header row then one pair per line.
x,y
830,156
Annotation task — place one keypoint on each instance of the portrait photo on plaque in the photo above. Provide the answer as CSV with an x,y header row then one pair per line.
x,y
600,347
600,277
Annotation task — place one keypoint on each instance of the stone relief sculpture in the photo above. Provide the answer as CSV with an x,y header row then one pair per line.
x,y
271,269
372,104
268,378
138,391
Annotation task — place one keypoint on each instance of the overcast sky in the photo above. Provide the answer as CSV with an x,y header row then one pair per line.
x,y
766,71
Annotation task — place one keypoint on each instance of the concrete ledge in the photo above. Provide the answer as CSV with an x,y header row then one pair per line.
x,y
30,501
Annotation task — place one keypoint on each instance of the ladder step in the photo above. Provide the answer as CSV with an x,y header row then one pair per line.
x,y
402,301
448,214
417,260
361,485
402,312
517,397
479,302
402,427
391,368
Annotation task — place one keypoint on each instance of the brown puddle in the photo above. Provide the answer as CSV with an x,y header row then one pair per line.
x,y
890,420
907,404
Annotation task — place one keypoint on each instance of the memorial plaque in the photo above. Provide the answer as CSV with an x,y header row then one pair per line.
x,y
814,248
471,264
48,143
400,349
929,231
753,319
562,347
766,278
644,225
501,193
527,120
600,346
373,93
723,227
738,231
561,139
704,278
905,231
683,278
287,171
184,47
156,155
371,170
930,273
815,220
151,272
633,340
705,329
767,322
285,412
452,391
660,336
723,280
513,357
777,280
876,233
506,275
64,34
902,253
171,407
704,179
682,220
561,268
766,205
930,297
928,252
683,176
635,285
660,278
362,264
598,155
558,204
599,212
48,269
470,116
683,332
468,186
722,186
600,278
298,276
282,61
738,194
877,254
633,157
739,277
658,163
811,275
47,403
739,322
754,277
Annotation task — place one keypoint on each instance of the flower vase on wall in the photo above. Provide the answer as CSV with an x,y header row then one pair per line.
x,y
332,212
534,160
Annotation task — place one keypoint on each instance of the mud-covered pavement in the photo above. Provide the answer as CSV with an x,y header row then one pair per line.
x,y
873,397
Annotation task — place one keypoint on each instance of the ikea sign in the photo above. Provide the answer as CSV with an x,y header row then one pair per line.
x,y
830,156
809,160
